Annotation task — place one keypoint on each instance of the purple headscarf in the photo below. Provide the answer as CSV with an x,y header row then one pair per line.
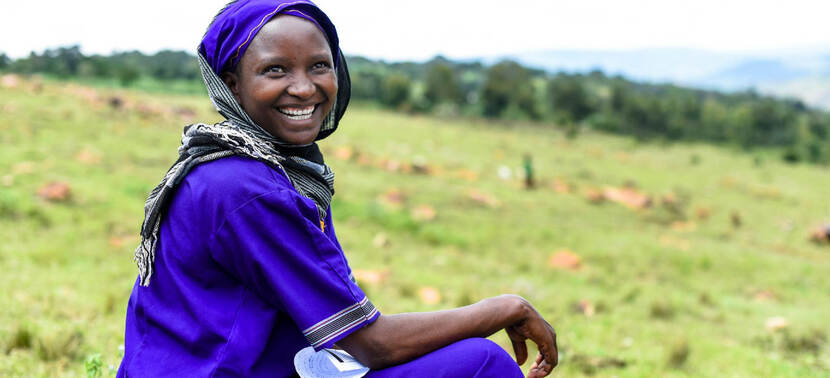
x,y
231,32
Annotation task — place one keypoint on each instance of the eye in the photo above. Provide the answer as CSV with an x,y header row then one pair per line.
x,y
277,70
321,66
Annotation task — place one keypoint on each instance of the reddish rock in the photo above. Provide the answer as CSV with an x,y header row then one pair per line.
x,y
565,259
585,307
561,187
343,153
483,199
424,213
703,213
429,295
628,197
681,226
777,323
466,174
594,196
394,198
10,81
764,296
55,192
820,234
372,277
88,157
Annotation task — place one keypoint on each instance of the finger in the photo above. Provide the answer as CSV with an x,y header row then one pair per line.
x,y
547,345
520,349
546,350
544,369
550,354
555,358
538,371
531,373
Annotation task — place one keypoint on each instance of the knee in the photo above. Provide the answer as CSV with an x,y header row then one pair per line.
x,y
483,346
474,357
492,360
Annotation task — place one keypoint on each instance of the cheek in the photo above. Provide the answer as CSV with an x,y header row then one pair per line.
x,y
329,86
259,89
264,92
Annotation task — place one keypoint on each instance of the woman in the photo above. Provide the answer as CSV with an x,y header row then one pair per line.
x,y
246,269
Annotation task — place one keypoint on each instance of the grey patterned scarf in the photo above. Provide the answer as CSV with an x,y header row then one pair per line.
x,y
239,135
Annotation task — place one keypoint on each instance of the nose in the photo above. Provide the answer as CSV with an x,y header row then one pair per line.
x,y
301,86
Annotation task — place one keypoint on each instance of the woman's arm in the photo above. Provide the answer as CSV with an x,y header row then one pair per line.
x,y
394,339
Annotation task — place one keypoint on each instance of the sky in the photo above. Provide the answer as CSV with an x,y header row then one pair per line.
x,y
418,30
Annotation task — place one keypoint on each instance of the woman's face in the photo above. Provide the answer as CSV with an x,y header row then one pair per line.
x,y
286,80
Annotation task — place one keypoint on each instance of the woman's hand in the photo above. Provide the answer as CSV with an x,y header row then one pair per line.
x,y
540,368
532,326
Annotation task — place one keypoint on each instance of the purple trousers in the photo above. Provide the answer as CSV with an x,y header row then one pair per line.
x,y
475,357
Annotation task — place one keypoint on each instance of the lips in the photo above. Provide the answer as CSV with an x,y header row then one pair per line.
x,y
297,113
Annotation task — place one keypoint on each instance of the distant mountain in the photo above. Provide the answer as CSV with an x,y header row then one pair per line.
x,y
801,74
649,64
754,73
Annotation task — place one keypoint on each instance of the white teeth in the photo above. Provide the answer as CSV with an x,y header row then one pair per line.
x,y
298,114
299,118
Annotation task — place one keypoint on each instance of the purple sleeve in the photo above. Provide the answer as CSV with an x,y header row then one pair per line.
x,y
329,230
273,244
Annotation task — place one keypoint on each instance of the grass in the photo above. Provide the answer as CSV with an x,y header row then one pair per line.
x,y
676,289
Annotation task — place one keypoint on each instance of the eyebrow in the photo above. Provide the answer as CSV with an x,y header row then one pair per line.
x,y
280,58
321,56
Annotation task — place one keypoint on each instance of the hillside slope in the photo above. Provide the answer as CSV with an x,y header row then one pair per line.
x,y
650,260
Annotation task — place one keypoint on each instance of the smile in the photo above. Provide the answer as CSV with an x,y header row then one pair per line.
x,y
298,114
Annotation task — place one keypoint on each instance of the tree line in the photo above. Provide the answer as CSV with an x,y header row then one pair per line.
x,y
126,67
507,90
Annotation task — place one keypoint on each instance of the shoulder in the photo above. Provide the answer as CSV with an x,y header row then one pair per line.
x,y
238,175
225,184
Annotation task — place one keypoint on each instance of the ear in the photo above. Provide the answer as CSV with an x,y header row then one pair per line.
x,y
231,79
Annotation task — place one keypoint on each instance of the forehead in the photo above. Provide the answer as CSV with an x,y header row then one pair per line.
x,y
286,34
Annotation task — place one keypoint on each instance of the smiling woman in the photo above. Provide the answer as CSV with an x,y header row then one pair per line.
x,y
286,80
238,237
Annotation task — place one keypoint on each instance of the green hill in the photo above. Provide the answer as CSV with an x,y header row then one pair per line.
x,y
649,259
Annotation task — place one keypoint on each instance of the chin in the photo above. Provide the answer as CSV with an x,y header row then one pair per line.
x,y
299,138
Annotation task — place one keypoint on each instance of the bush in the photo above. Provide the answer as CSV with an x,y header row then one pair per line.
x,y
395,90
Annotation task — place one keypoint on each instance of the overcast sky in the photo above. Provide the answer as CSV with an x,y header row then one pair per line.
x,y
397,30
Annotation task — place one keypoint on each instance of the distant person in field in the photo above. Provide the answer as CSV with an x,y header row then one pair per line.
x,y
239,265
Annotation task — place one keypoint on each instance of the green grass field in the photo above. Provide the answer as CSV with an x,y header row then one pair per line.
x,y
715,278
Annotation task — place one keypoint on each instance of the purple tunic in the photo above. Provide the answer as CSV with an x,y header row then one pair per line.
x,y
245,276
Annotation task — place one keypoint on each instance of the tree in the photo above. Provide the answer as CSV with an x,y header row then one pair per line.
x,y
366,85
569,98
395,90
4,61
507,84
169,65
66,60
683,109
127,75
773,123
441,84
713,118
